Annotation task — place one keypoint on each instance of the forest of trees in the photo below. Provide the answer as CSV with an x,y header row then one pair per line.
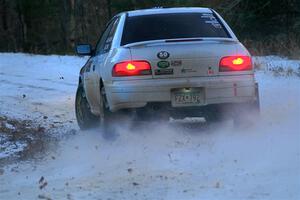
x,y
55,26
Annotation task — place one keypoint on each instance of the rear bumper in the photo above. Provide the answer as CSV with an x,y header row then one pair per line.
x,y
219,89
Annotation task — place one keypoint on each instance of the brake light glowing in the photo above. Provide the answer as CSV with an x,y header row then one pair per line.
x,y
132,68
238,61
235,63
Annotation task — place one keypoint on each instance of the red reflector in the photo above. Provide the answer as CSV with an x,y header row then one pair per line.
x,y
132,68
235,63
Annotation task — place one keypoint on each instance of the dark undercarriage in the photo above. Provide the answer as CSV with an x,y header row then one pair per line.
x,y
212,112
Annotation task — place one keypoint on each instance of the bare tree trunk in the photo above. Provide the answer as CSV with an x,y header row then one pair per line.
x,y
4,14
108,2
22,25
72,26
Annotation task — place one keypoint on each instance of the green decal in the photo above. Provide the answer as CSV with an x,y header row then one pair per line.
x,y
163,64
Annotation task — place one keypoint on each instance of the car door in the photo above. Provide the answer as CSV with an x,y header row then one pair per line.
x,y
93,76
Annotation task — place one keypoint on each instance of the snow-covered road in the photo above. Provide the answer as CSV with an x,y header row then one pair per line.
x,y
156,161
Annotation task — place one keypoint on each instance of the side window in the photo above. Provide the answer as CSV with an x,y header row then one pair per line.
x,y
105,42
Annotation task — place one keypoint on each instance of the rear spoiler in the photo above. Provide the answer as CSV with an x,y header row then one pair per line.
x,y
177,40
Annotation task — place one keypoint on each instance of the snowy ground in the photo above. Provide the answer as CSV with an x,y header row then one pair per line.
x,y
157,161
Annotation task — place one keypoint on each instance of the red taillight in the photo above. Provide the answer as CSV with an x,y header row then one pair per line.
x,y
132,68
235,63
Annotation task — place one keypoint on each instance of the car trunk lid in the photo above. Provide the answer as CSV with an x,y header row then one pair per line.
x,y
183,57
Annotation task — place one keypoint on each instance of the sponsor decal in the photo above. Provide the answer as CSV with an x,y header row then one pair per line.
x,y
163,64
210,71
163,71
176,63
163,55
186,70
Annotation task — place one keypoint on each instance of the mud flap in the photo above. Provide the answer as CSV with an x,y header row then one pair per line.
x,y
257,96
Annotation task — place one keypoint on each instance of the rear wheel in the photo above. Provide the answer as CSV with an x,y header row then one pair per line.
x,y
84,116
213,114
107,118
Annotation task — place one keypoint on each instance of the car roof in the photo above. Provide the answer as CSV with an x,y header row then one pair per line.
x,y
153,11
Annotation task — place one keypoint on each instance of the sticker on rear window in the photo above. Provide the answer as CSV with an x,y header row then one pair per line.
x,y
210,19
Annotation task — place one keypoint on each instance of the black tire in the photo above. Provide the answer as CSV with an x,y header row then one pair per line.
x,y
213,114
84,116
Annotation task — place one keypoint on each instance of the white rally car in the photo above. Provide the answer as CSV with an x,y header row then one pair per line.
x,y
166,62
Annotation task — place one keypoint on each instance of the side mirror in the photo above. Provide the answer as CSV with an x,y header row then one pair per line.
x,y
84,49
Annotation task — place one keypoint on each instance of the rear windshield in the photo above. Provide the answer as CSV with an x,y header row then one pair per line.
x,y
171,26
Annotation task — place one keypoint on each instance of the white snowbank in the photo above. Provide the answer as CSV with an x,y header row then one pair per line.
x,y
277,65
37,85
